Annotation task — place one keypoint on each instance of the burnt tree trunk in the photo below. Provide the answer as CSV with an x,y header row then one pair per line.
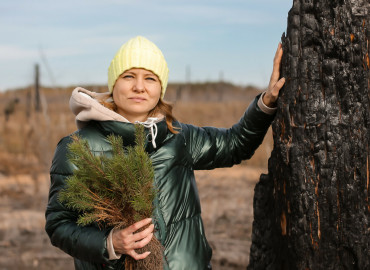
x,y
312,209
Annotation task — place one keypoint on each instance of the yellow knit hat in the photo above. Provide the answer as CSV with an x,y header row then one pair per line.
x,y
138,52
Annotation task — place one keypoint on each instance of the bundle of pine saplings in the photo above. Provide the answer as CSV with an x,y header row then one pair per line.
x,y
114,191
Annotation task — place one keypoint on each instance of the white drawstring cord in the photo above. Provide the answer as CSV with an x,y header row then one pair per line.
x,y
151,124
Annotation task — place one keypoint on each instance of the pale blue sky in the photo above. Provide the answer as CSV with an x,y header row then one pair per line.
x,y
74,41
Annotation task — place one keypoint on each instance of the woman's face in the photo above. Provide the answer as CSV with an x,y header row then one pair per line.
x,y
136,92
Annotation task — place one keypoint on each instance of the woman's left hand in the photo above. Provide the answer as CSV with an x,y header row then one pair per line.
x,y
275,84
127,240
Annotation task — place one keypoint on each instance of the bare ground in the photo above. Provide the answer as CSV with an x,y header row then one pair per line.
x,y
226,196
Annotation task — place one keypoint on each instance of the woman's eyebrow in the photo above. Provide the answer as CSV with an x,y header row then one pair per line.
x,y
128,72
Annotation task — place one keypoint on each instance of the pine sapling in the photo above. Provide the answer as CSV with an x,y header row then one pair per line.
x,y
114,191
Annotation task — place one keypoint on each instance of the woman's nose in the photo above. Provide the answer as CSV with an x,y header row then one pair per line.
x,y
139,85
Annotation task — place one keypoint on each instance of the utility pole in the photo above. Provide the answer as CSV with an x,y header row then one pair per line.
x,y
37,89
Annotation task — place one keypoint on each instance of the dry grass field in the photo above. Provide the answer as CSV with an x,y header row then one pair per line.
x,y
27,143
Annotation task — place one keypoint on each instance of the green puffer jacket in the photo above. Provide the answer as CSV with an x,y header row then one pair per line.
x,y
177,219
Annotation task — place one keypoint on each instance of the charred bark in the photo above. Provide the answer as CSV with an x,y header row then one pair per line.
x,y
312,209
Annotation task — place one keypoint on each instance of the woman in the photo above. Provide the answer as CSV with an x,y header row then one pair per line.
x,y
137,80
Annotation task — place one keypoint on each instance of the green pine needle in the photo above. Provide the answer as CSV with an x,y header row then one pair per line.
x,y
115,191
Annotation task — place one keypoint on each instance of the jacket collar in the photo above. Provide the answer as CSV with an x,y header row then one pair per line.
x,y
85,105
127,131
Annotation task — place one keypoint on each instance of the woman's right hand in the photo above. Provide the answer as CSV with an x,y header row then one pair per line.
x,y
275,84
125,241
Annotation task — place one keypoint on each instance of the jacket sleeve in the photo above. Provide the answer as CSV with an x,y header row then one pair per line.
x,y
211,147
86,243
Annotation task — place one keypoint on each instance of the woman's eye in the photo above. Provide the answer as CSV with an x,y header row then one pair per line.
x,y
127,76
151,78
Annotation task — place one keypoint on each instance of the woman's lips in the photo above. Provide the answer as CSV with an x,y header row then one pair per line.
x,y
137,99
